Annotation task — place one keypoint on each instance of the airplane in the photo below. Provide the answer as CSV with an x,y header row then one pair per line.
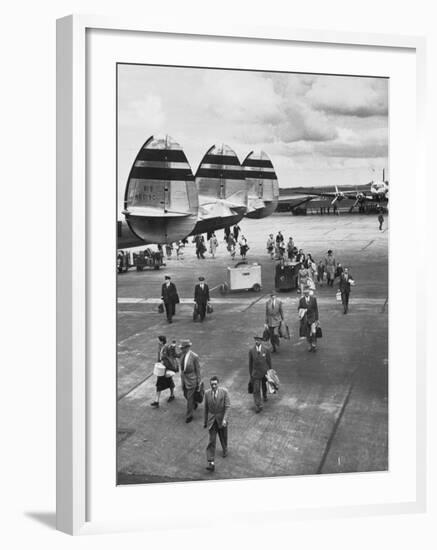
x,y
378,192
222,192
161,202
262,185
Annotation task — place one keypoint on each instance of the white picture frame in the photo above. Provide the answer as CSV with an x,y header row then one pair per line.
x,y
74,208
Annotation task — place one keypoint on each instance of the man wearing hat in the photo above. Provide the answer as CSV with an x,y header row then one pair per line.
x,y
259,363
274,316
309,318
190,376
169,295
201,297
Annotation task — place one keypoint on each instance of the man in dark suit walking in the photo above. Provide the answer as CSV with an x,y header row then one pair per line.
x,y
345,288
259,363
217,405
309,318
169,295
201,297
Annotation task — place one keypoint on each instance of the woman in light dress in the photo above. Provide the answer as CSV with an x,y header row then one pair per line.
x,y
213,244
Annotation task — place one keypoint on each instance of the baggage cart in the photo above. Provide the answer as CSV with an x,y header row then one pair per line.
x,y
242,276
286,276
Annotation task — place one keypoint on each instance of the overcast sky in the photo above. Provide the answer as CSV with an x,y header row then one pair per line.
x,y
317,130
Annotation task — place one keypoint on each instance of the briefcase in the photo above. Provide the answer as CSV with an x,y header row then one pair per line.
x,y
209,308
195,312
250,387
319,333
199,393
161,308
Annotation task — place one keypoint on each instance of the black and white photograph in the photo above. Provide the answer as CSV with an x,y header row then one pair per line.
x,y
252,273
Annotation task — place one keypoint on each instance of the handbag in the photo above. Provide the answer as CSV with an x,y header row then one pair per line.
x,y
161,308
266,334
250,387
209,308
319,333
338,296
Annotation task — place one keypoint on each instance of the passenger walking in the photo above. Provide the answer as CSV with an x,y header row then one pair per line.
x,y
244,247
190,377
320,272
290,248
330,268
169,295
274,316
201,297
227,233
167,355
309,319
180,250
213,244
236,232
271,246
216,410
169,250
279,238
381,221
200,247
231,246
259,363
302,278
346,281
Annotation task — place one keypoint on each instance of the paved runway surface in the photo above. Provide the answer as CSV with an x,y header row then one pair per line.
x,y
331,413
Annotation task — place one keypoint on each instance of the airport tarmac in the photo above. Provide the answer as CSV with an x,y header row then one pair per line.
x,y
331,412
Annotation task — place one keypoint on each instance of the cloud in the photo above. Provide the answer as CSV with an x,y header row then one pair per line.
x,y
350,96
146,111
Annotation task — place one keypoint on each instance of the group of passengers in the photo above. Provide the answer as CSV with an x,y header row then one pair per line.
x,y
310,271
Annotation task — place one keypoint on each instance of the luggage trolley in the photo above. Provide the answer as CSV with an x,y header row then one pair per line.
x,y
242,276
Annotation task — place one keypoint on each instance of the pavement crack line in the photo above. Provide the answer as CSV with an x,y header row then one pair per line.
x,y
254,302
130,390
368,244
335,427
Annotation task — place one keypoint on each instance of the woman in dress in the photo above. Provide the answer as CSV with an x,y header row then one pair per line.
x,y
302,278
271,246
213,244
167,355
244,247
320,272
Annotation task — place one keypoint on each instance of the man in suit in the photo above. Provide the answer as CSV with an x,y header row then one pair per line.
x,y
201,297
217,405
169,295
309,318
190,376
274,316
259,363
345,288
